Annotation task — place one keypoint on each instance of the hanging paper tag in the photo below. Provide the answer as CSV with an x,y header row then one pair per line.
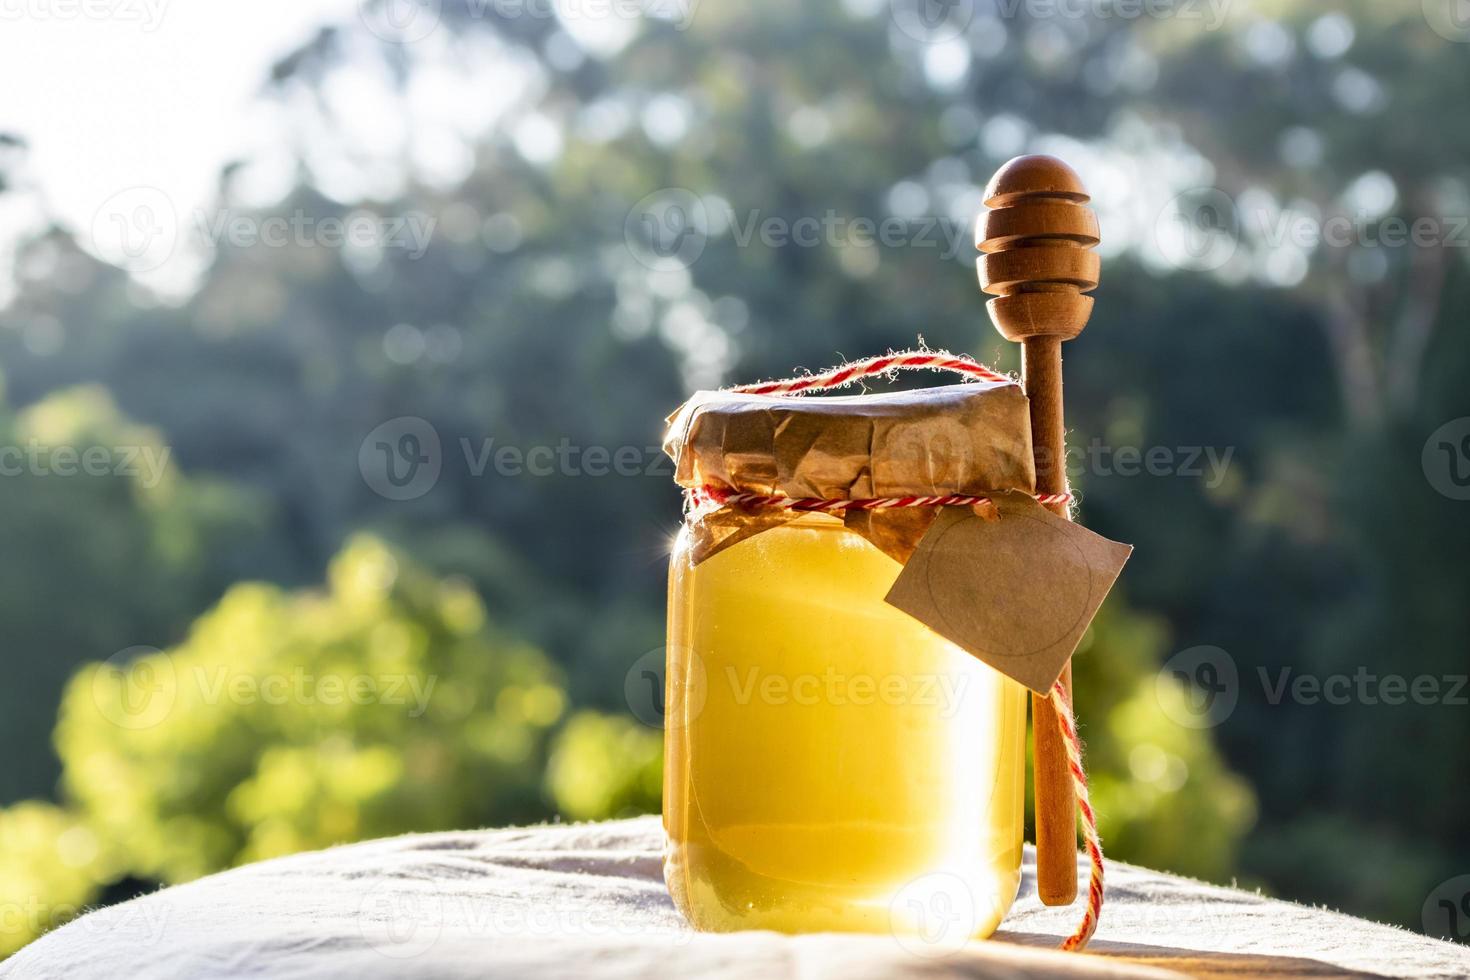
x,y
1017,592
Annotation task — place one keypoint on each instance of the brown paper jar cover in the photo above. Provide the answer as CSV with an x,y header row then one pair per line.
x,y
972,438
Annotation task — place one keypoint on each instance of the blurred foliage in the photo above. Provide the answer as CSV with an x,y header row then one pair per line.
x,y
93,562
285,722
1163,796
51,866
530,321
605,766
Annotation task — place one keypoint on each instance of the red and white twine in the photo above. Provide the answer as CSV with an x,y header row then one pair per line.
x,y
854,371
1062,703
909,360
758,501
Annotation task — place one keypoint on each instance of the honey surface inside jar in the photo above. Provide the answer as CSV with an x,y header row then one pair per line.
x,y
824,751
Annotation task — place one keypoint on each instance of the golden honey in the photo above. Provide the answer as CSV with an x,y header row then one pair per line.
x,y
830,760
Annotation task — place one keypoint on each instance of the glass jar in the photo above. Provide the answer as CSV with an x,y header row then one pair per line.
x,y
826,752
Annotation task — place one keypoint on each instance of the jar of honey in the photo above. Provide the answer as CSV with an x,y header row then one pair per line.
x,y
825,751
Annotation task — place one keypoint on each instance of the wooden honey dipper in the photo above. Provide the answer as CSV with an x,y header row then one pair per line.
x,y
1035,241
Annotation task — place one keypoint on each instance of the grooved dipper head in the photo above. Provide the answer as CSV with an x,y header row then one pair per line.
x,y
1036,240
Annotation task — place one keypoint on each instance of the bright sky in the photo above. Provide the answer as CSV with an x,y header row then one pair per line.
x,y
131,107
112,94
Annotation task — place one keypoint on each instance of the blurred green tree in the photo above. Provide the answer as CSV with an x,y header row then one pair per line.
x,y
1163,794
604,766
289,721
106,545
51,866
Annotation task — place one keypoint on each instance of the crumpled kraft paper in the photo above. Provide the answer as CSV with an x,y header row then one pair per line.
x,y
970,438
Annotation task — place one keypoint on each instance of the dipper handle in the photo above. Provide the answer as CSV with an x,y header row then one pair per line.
x,y
1036,261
